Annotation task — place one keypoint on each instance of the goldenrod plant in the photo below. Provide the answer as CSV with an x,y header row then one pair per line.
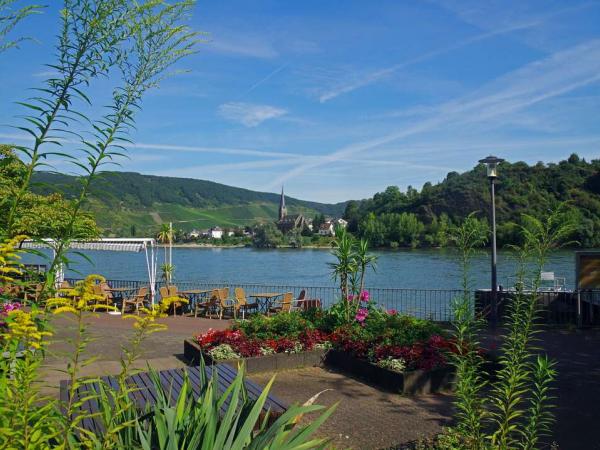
x,y
172,302
9,259
27,419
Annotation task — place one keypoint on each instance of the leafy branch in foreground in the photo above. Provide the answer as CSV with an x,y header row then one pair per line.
x,y
157,41
90,33
10,17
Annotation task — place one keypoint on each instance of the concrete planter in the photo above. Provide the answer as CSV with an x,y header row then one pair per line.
x,y
409,382
269,363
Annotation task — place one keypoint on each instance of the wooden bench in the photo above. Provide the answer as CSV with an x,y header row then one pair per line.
x,y
144,391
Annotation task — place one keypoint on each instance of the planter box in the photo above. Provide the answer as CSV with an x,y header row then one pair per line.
x,y
409,382
268,363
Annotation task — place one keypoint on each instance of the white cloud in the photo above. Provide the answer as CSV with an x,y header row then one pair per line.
x,y
46,74
247,45
555,75
249,114
177,148
491,15
362,80
495,20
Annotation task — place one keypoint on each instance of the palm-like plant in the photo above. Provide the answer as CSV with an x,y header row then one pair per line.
x,y
165,236
343,250
204,418
364,260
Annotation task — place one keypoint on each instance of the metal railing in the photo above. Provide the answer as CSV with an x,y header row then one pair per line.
x,y
433,304
579,308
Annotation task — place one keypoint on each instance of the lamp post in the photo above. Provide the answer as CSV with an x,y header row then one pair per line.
x,y
492,172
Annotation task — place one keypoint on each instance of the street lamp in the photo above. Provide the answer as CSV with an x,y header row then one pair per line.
x,y
492,172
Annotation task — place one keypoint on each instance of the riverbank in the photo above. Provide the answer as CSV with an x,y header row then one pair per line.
x,y
286,247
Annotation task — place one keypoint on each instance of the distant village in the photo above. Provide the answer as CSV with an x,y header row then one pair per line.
x,y
289,226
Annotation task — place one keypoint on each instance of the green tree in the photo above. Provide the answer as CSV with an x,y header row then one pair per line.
x,y
373,230
267,236
37,216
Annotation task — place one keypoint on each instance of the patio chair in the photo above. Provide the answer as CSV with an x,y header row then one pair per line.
x,y
208,306
34,294
304,303
168,292
285,305
99,290
136,300
225,303
174,292
14,291
242,302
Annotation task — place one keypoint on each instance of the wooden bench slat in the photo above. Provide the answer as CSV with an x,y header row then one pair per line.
x,y
254,390
144,394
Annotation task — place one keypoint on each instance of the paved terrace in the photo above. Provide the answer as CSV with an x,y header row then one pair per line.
x,y
366,417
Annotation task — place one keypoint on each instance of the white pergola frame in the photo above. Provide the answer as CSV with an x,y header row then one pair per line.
x,y
148,245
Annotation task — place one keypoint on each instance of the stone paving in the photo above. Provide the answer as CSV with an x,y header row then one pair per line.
x,y
366,417
162,350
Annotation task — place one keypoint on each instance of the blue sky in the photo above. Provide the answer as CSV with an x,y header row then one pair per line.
x,y
339,99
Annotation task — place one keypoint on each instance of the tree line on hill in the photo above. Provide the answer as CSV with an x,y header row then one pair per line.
x,y
424,218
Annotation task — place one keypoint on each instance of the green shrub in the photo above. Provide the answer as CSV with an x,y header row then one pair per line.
x,y
288,325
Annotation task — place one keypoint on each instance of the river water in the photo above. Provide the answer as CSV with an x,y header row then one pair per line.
x,y
419,269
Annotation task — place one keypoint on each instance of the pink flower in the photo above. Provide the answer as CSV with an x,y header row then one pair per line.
x,y
361,315
392,312
350,298
364,296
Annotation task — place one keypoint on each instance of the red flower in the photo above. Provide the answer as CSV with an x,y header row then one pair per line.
x,y
343,339
309,338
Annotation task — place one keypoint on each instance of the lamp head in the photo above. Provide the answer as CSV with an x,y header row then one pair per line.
x,y
492,165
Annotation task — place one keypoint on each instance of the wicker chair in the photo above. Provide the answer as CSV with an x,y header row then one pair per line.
x,y
241,302
303,302
34,295
136,300
225,303
285,305
168,292
208,306
100,290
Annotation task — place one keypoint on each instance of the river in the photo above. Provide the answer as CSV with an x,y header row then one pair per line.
x,y
420,269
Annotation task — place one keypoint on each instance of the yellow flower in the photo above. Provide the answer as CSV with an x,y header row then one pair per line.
x,y
167,302
147,322
9,257
80,297
22,327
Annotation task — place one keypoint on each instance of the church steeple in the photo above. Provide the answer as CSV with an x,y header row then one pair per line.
x,y
282,208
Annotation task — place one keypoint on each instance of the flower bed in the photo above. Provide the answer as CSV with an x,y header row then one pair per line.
x,y
256,364
395,379
384,344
